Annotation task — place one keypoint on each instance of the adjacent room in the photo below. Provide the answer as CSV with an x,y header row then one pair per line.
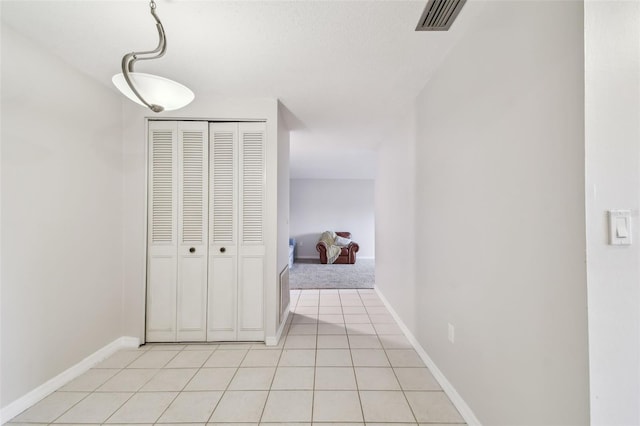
x,y
173,173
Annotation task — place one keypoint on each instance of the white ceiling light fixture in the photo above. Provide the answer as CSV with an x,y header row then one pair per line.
x,y
156,93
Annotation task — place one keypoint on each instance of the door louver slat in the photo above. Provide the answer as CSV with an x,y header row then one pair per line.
x,y
439,15
252,186
222,182
162,184
192,192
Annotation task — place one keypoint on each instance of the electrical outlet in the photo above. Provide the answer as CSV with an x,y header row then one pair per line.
x,y
452,333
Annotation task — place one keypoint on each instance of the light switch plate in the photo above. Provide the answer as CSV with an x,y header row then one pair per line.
x,y
620,227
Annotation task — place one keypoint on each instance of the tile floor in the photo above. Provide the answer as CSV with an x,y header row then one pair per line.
x,y
343,359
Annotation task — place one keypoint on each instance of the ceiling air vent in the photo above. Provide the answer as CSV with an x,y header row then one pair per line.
x,y
439,15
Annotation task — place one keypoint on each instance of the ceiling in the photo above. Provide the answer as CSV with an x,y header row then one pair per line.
x,y
346,71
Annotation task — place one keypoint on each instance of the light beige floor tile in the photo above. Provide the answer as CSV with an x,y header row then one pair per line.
x,y
185,424
306,310
329,301
335,378
153,359
350,291
372,302
333,358
376,378
293,378
229,424
262,358
189,359
240,406
404,358
353,310
288,406
303,329
234,346
191,407
416,379
364,342
336,406
382,319
377,310
306,318
385,406
331,319
308,302
50,407
95,408
391,424
166,346
393,341
201,347
351,302
361,329
120,359
170,379
441,424
130,380
330,310
331,329
207,379
143,407
298,358
369,358
433,407
90,380
387,329
356,319
328,341
300,342
254,378
226,358
329,291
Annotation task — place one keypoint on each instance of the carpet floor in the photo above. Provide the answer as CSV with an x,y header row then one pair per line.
x,y
307,273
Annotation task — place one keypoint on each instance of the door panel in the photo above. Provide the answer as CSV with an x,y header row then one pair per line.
x,y
162,247
192,230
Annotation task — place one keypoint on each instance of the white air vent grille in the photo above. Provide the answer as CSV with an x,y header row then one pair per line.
x,y
162,186
222,182
252,186
439,15
192,190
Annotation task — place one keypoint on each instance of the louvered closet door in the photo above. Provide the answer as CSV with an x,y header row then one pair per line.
x,y
162,232
193,194
252,176
223,231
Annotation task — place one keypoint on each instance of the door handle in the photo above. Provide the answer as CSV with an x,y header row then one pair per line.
x,y
222,249
192,250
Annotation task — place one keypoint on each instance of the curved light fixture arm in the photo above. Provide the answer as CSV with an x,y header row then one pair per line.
x,y
131,58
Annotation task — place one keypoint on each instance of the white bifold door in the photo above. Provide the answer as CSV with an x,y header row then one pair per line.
x,y
205,277
177,249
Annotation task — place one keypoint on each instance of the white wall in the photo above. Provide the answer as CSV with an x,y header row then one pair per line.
x,y
500,216
319,205
205,106
61,217
612,80
395,220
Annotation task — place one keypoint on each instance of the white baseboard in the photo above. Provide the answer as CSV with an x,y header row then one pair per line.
x,y
19,405
464,409
273,340
317,257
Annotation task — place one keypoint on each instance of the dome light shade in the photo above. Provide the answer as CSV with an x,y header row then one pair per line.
x,y
155,90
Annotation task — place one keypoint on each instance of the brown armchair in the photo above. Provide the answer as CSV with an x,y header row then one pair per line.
x,y
347,254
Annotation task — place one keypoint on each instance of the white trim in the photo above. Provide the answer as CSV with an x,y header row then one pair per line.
x,y
318,257
19,405
464,409
273,340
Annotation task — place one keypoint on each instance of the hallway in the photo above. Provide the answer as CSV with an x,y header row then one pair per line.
x,y
343,359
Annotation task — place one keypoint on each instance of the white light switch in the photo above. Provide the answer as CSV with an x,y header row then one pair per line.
x,y
620,227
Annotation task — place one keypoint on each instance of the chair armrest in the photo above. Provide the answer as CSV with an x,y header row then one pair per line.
x,y
354,247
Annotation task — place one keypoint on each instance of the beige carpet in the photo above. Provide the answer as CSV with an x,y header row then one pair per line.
x,y
307,273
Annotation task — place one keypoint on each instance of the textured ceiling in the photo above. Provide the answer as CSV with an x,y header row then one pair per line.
x,y
344,70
